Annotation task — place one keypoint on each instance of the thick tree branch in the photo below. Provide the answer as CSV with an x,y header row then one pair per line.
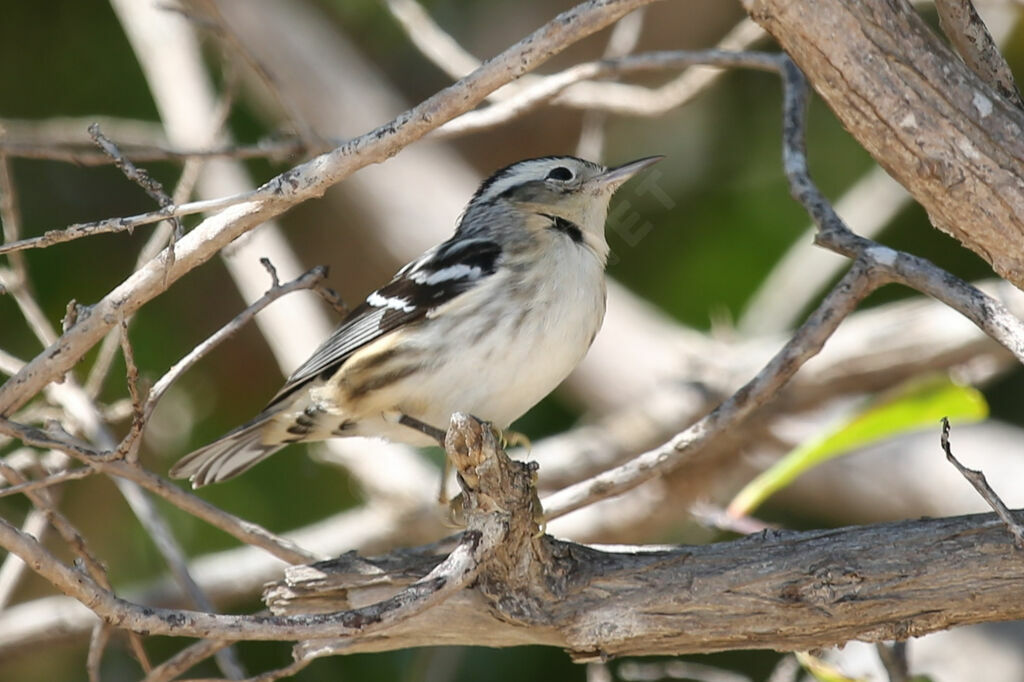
x,y
784,590
943,133
780,590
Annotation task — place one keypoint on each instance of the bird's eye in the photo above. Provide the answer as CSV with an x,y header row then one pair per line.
x,y
560,173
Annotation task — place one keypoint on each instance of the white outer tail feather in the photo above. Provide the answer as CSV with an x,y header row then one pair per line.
x,y
236,452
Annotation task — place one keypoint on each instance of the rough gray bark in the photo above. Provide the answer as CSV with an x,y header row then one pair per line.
x,y
935,126
779,590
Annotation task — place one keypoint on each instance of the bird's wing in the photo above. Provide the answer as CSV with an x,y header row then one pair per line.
x,y
436,277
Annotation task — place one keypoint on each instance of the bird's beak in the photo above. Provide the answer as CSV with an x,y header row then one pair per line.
x,y
612,178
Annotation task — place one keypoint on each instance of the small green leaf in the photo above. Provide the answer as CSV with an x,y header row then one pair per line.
x,y
917,404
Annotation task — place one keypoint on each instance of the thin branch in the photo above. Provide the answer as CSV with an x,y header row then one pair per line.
x,y
623,39
129,223
311,279
991,316
188,657
449,576
51,480
128,448
97,644
432,40
245,531
805,343
546,89
276,150
978,480
139,176
306,181
634,100
13,568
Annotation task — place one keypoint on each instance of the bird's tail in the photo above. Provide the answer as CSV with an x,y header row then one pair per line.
x,y
234,453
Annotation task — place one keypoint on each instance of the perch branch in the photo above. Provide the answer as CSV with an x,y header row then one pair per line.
x,y
777,589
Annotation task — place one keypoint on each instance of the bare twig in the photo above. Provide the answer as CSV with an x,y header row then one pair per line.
x,y
988,314
855,285
245,531
451,575
13,568
311,279
528,98
139,176
635,100
129,446
969,35
128,223
51,480
214,22
305,181
10,214
623,39
97,644
977,479
430,39
277,149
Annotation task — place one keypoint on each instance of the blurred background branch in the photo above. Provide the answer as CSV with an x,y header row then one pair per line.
x,y
239,90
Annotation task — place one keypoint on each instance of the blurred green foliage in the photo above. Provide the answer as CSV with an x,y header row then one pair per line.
x,y
732,218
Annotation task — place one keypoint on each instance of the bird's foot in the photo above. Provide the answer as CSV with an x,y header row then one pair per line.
x,y
509,439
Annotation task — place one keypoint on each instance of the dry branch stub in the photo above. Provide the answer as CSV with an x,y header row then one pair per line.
x,y
776,590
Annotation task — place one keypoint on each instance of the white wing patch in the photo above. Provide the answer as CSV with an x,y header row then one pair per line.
x,y
392,302
450,273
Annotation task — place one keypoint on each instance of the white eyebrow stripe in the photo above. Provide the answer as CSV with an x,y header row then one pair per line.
x,y
392,302
516,177
457,271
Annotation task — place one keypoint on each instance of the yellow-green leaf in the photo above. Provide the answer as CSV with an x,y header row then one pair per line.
x,y
916,404
822,671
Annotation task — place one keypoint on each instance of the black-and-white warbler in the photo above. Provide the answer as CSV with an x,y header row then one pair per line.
x,y
488,322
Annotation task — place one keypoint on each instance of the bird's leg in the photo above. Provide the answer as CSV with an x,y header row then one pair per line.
x,y
423,427
438,435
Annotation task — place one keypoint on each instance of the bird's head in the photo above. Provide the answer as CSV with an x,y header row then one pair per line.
x,y
567,192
